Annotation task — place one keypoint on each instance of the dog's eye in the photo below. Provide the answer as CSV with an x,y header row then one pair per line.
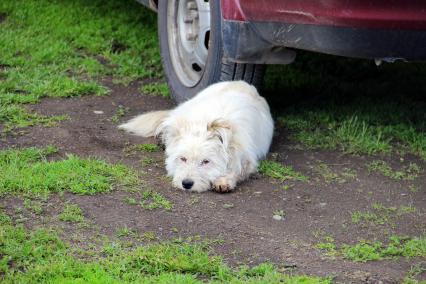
x,y
205,162
183,159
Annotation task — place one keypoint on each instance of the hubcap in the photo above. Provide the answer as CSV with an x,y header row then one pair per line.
x,y
188,28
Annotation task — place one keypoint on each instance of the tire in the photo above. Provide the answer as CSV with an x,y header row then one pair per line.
x,y
192,51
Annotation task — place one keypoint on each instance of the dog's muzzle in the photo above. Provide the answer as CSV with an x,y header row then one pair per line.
x,y
187,183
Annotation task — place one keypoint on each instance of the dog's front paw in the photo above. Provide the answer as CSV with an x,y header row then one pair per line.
x,y
223,185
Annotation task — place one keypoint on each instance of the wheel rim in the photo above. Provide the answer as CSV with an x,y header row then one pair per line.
x,y
188,29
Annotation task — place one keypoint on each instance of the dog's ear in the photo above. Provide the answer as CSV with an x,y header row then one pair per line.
x,y
168,131
220,129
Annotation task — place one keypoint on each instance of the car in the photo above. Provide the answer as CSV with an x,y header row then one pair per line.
x,y
203,42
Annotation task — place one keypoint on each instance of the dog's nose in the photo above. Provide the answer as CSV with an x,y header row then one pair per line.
x,y
187,183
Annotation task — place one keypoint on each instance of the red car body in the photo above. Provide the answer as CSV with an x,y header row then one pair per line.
x,y
264,31
377,29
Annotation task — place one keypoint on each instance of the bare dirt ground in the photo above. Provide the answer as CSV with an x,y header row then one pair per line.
x,y
241,221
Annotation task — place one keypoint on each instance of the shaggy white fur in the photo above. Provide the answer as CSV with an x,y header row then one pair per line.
x,y
213,140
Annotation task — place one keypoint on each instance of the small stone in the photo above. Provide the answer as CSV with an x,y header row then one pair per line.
x,y
277,217
98,112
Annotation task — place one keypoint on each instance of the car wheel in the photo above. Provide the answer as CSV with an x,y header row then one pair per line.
x,y
191,48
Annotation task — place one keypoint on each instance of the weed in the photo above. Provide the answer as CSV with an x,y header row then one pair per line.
x,y
156,89
124,232
228,205
359,217
412,188
154,200
287,187
414,271
280,213
328,246
278,171
194,200
72,213
402,210
29,171
149,236
130,200
4,219
148,148
147,161
330,176
348,174
145,148
119,113
409,172
34,206
381,215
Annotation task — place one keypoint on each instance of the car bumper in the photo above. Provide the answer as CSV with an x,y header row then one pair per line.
x,y
254,33
269,43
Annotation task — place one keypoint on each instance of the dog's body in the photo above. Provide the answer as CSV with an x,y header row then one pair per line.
x,y
213,140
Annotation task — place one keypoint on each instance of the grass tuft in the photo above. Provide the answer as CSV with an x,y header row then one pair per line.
x,y
364,250
154,200
397,247
278,171
156,89
72,213
410,172
29,171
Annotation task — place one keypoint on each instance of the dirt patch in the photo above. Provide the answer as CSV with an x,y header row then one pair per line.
x,y
241,221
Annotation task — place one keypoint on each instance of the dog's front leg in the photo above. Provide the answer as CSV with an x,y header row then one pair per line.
x,y
239,170
226,183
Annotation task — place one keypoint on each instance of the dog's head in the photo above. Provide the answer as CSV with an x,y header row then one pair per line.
x,y
197,154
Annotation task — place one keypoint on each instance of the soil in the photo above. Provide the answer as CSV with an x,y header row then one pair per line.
x,y
241,221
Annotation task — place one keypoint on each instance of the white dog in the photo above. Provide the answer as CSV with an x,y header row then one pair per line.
x,y
213,140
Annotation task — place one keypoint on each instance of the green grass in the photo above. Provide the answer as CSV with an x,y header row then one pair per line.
x,y
42,257
147,161
351,104
28,171
148,148
362,217
156,89
153,200
72,213
277,171
328,246
124,232
330,176
380,215
319,130
396,247
364,250
415,270
145,148
150,200
61,49
34,206
410,172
